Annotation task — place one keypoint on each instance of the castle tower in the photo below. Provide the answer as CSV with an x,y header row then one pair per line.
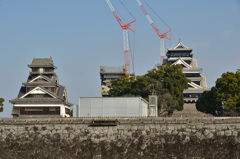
x,y
182,55
41,95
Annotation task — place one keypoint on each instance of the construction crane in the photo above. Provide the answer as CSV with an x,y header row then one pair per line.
x,y
125,28
162,36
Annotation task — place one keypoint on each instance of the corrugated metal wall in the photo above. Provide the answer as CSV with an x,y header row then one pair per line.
x,y
112,107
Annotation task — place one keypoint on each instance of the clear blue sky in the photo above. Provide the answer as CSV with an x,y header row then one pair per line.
x,y
81,35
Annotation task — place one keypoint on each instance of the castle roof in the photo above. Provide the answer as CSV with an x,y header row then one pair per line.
x,y
180,46
42,80
182,62
57,97
42,62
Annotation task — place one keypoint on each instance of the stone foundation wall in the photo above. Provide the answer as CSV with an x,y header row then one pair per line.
x,y
139,138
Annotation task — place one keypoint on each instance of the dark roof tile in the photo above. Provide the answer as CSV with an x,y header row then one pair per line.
x,y
42,62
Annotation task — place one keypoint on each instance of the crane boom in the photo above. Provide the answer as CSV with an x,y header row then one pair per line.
x,y
162,36
125,28
126,52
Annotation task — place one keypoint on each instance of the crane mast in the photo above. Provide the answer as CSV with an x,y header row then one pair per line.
x,y
125,28
162,36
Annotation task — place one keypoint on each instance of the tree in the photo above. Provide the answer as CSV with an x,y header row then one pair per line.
x,y
167,104
167,82
1,104
140,87
121,86
71,113
228,91
175,82
207,103
224,97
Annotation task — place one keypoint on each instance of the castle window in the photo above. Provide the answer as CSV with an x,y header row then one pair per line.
x,y
41,70
52,109
180,54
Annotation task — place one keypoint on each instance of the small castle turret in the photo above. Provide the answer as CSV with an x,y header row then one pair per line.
x,y
41,95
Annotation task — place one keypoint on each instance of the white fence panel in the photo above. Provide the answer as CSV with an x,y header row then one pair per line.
x,y
113,107
85,108
109,107
96,107
121,108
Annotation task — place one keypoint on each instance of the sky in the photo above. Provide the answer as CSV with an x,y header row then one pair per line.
x,y
81,35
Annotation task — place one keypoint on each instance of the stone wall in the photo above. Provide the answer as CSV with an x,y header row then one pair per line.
x,y
131,138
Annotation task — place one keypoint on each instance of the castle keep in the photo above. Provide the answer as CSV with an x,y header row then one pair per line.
x,y
41,95
182,55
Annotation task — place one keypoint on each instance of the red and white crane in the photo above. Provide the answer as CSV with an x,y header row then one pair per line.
x,y
125,28
162,36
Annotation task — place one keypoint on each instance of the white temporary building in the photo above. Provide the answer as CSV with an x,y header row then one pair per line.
x,y
111,107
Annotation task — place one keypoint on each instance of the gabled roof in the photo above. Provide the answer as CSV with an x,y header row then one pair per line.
x,y
40,90
42,62
49,82
53,78
56,98
38,101
182,62
180,46
41,76
59,93
194,85
35,84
